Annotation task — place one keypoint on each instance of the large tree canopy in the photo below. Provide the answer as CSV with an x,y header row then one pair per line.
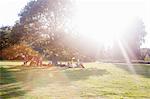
x,y
45,25
47,18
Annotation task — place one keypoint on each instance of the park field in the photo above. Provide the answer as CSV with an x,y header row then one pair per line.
x,y
95,81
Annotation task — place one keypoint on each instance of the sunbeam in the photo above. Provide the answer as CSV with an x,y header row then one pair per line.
x,y
129,64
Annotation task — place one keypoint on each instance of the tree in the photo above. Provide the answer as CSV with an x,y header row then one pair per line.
x,y
45,18
44,24
5,37
131,41
134,39
144,52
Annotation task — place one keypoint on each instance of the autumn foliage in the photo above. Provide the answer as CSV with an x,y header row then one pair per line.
x,y
13,52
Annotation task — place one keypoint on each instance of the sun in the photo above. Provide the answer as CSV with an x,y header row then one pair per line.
x,y
103,23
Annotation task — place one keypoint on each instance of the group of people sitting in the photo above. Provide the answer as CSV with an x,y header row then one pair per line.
x,y
37,61
71,64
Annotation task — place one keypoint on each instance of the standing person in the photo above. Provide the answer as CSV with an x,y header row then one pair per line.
x,y
55,59
25,58
78,63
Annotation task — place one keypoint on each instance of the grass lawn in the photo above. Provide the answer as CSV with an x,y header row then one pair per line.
x,y
96,81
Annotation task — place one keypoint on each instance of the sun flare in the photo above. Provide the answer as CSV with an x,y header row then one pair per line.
x,y
102,22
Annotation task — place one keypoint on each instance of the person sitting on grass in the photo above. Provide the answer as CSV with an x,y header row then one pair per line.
x,y
79,64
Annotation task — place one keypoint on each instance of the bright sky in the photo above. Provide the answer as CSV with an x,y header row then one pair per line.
x,y
9,10
104,20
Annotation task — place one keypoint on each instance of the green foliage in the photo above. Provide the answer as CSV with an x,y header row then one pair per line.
x,y
8,37
5,37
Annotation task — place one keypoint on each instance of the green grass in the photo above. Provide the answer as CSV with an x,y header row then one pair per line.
x,y
96,81
9,85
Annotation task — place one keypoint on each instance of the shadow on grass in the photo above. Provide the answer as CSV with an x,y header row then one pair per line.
x,y
140,69
82,74
9,86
